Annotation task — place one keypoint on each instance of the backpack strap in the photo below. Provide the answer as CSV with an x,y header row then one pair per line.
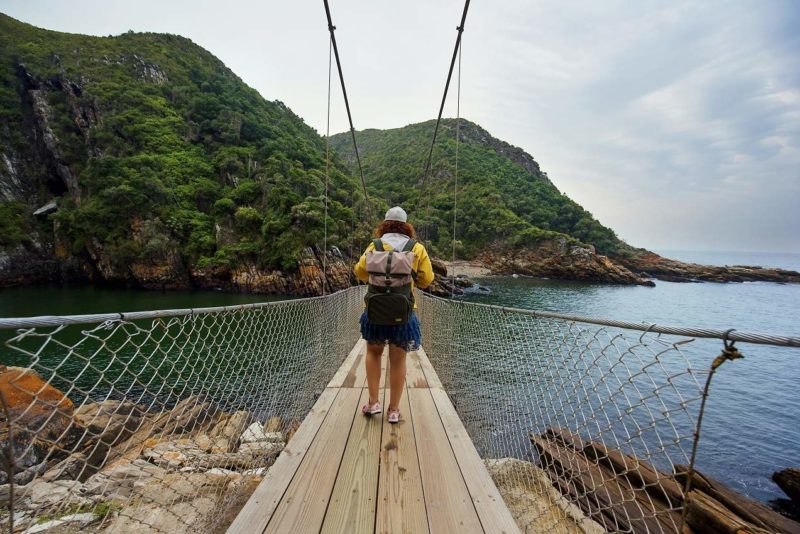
x,y
408,247
378,245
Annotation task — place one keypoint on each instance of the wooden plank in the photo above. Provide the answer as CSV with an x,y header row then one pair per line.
x,y
384,367
415,376
401,503
257,512
492,510
357,375
341,373
427,368
310,490
448,502
352,505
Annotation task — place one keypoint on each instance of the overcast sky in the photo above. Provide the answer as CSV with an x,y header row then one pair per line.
x,y
675,123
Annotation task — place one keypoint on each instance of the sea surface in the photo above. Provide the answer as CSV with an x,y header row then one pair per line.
x,y
752,422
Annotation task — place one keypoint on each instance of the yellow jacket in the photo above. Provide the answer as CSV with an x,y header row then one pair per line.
x,y
422,265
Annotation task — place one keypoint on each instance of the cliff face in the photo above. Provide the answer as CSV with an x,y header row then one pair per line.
x,y
558,258
141,160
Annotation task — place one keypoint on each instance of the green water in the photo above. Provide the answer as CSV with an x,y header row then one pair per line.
x,y
66,300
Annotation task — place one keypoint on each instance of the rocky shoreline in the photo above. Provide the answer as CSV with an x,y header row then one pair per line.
x,y
650,264
556,258
117,466
562,259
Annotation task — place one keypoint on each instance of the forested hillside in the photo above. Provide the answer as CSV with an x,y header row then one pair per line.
x,y
141,160
503,195
157,156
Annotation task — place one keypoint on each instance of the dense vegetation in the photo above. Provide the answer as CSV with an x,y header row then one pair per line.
x,y
152,147
502,194
154,128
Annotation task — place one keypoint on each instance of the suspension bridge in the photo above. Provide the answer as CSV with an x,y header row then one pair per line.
x,y
245,419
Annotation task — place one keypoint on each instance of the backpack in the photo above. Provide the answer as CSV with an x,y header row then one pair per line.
x,y
389,299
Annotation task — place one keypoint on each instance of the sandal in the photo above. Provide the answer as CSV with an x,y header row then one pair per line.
x,y
371,408
394,416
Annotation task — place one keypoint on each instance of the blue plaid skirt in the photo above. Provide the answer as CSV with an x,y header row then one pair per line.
x,y
407,336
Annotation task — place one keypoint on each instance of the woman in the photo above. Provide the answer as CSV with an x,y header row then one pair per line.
x,y
394,232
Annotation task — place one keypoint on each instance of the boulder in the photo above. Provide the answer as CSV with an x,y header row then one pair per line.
x,y
533,501
273,424
109,417
119,480
58,525
185,455
225,434
789,481
261,449
255,433
49,495
191,415
41,421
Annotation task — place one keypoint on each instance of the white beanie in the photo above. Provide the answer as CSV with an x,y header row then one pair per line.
x,y
396,214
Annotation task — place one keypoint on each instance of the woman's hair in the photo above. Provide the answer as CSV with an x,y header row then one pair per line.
x,y
395,227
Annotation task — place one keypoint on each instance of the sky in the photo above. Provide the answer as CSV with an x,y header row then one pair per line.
x,y
675,123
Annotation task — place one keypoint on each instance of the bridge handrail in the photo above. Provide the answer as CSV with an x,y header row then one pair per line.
x,y
42,321
730,335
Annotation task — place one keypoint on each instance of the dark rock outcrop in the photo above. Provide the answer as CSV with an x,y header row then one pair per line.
x,y
559,258
315,273
789,481
650,264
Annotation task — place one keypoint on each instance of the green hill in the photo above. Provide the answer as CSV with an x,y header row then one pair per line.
x,y
503,196
140,159
154,152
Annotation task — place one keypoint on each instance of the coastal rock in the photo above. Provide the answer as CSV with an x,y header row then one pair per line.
x,y
118,481
559,258
789,481
225,435
261,449
48,495
533,501
28,263
109,419
651,264
191,416
311,277
58,525
40,421
255,433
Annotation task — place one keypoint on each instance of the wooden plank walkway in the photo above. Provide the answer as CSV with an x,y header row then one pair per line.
x,y
343,472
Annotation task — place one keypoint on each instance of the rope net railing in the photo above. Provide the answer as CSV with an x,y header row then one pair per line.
x,y
158,421
586,427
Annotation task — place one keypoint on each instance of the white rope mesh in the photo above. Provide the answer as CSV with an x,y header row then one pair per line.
x,y
584,427
168,422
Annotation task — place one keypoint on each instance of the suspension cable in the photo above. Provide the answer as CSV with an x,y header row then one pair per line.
x,y
455,180
460,29
327,178
331,29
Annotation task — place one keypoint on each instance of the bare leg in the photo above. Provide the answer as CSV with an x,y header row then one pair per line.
x,y
397,375
373,364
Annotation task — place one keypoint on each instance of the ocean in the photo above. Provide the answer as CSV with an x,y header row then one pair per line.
x,y
752,422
